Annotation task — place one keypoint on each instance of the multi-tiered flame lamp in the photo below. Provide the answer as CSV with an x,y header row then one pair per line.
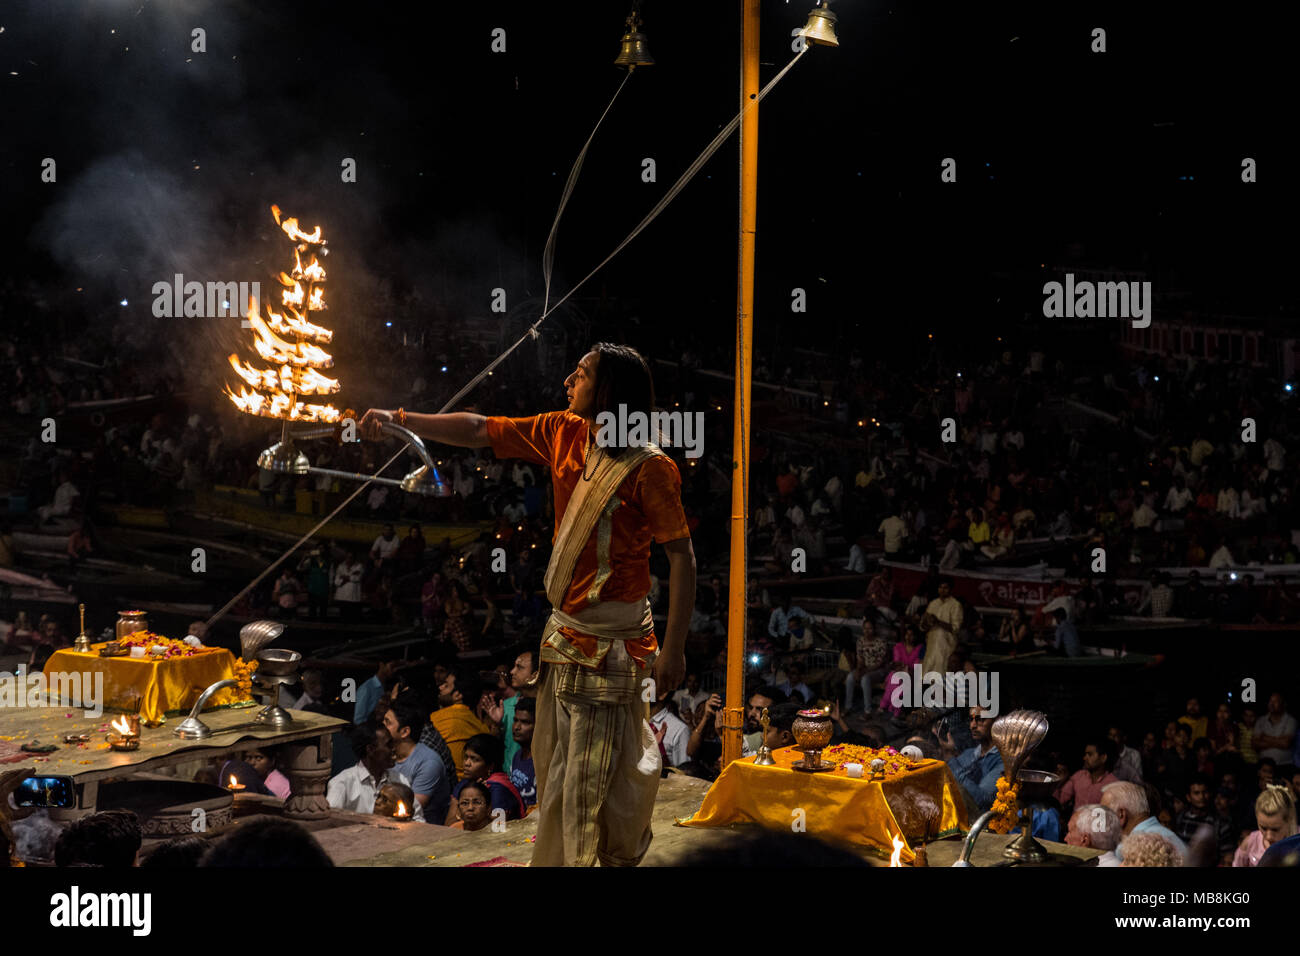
x,y
292,342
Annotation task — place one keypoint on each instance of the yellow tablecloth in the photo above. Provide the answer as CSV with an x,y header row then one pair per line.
x,y
837,807
160,686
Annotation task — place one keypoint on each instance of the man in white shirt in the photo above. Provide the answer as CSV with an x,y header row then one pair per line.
x,y
1179,496
857,558
357,787
385,545
64,497
1098,828
671,732
944,615
1144,515
690,696
1222,558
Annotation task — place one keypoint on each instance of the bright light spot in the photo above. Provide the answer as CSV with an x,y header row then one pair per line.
x,y
225,305
123,302
1288,386
1157,378
1232,575
753,658
388,325
444,368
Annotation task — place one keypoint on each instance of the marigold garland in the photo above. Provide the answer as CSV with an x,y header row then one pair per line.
x,y
1005,806
244,675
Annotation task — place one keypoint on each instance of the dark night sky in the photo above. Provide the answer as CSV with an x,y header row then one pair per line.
x,y
462,153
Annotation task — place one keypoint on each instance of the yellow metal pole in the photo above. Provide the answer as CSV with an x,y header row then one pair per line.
x,y
734,705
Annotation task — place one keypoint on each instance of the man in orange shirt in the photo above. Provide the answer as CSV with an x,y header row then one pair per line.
x,y
453,718
596,758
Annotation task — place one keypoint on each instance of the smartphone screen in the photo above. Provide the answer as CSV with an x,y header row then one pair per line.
x,y
57,792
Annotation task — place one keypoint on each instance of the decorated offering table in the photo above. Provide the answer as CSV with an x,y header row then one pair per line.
x,y
151,685
891,809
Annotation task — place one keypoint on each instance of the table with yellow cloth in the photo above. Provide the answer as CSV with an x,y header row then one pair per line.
x,y
161,686
837,807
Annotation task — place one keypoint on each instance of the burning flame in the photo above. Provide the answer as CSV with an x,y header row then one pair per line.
x,y
123,728
896,858
303,381
401,810
233,781
289,343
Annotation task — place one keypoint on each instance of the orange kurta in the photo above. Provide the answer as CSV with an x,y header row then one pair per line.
x,y
651,509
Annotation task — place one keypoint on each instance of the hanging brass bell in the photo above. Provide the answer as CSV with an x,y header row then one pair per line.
x,y
820,27
634,52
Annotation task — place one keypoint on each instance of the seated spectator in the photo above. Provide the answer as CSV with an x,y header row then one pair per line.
x,y
978,768
1085,785
907,653
780,726
109,838
263,761
1200,813
794,683
267,843
690,696
1067,635
670,731
522,774
396,800
1128,761
459,692
313,693
473,806
752,732
871,657
1276,820
415,761
1131,804
1098,828
1148,849
357,788
483,755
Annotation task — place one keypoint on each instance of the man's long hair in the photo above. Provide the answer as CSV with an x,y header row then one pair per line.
x,y
623,378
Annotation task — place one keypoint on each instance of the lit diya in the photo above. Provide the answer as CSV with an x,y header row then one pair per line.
x,y
234,786
401,813
126,734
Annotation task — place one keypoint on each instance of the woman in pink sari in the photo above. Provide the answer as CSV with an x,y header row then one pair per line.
x,y
910,650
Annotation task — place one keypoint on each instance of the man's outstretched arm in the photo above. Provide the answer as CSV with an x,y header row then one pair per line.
x,y
464,429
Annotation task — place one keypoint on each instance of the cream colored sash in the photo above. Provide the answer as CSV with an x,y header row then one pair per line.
x,y
583,511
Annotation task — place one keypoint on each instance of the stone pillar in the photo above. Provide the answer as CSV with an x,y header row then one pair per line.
x,y
308,764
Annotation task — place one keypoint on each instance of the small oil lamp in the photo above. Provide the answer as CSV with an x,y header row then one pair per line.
x,y
126,734
234,786
401,813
